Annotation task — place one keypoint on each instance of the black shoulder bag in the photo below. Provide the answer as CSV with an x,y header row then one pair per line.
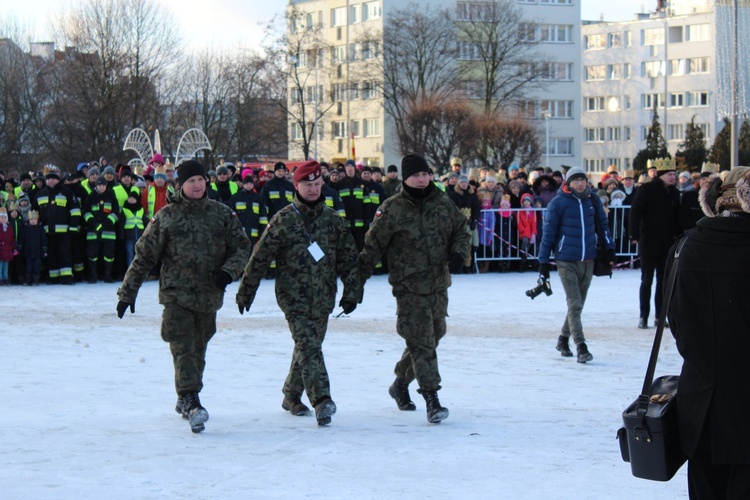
x,y
649,439
601,264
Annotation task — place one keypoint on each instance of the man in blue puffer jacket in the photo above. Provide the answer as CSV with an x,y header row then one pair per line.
x,y
570,231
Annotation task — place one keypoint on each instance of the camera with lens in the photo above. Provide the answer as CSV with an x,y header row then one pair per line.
x,y
542,286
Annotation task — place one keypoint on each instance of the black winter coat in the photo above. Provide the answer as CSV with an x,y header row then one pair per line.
x,y
653,217
709,317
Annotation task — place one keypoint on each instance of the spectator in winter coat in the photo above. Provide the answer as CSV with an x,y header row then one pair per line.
x,y
570,231
33,247
545,188
526,222
465,198
7,246
709,318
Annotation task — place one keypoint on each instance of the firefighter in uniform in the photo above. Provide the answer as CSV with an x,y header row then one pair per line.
x,y
100,213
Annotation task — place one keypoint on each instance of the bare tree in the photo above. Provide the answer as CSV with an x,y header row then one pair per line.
x,y
509,140
505,64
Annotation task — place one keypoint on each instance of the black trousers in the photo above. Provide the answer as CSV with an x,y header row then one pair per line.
x,y
650,265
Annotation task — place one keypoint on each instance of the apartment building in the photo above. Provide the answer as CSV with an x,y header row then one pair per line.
x,y
671,59
357,119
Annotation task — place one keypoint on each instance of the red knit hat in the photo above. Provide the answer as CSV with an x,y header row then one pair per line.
x,y
307,172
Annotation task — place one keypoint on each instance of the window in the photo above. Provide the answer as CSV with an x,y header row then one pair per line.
x,y
339,130
649,100
556,2
468,51
527,32
614,134
628,39
699,98
644,132
676,100
653,69
677,67
613,103
354,91
626,133
338,90
527,1
594,73
698,65
626,70
354,14
295,94
475,11
338,17
675,34
552,71
528,108
626,100
372,127
594,164
370,11
614,71
353,51
369,90
297,134
614,161
471,89
614,40
704,128
594,103
653,36
310,21
556,33
698,32
676,132
355,128
370,50
595,42
593,134
338,54
556,109
560,146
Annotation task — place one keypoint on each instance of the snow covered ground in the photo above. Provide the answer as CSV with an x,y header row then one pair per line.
x,y
88,400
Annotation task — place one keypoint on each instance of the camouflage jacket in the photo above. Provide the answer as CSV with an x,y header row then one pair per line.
x,y
304,286
194,238
418,237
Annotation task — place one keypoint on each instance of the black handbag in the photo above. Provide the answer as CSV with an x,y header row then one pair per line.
x,y
601,264
650,440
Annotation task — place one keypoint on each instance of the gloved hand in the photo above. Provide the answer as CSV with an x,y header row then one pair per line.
x,y
456,262
611,256
348,306
544,270
220,279
473,225
122,307
243,304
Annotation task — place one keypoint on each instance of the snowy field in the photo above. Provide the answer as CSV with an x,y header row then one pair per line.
x,y
88,400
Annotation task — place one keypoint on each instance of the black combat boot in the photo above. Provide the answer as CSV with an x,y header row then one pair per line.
x,y
642,323
583,353
180,407
399,390
435,412
108,272
196,414
295,406
564,347
323,411
91,278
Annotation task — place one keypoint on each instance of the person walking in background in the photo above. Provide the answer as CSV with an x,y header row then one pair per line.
x,y
312,246
425,237
570,231
653,227
203,248
709,318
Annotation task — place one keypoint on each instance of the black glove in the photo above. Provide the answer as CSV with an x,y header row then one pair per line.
x,y
456,262
611,256
123,306
473,225
544,270
348,306
220,279
242,303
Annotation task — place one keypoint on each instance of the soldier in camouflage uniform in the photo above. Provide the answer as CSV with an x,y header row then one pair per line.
x,y
424,235
312,246
203,248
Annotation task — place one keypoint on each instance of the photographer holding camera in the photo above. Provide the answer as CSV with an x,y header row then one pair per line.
x,y
570,229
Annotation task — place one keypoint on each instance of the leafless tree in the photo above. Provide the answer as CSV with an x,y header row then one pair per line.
x,y
507,141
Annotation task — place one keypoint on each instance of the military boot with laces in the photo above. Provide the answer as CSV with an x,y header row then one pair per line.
x,y
196,414
435,412
295,407
399,390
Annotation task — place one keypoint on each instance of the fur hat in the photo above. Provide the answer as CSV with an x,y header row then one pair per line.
x,y
731,195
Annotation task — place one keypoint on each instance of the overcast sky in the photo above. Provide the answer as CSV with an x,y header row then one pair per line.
x,y
229,22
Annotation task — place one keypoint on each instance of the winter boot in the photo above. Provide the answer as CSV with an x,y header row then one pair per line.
x,y
522,265
91,278
642,323
196,414
295,407
564,347
323,411
583,353
435,412
36,280
180,407
108,272
399,390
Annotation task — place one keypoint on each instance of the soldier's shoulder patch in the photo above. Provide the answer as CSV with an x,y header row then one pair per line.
x,y
378,213
234,214
153,220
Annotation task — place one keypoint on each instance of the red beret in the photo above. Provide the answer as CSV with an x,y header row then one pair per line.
x,y
307,172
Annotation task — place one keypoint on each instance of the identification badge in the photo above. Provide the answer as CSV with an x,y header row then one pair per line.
x,y
315,251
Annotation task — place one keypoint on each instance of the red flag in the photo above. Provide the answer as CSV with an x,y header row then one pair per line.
x,y
354,149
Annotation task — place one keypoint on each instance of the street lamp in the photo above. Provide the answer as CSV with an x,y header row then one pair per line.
x,y
546,115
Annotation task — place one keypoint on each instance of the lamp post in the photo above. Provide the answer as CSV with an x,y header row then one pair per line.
x,y
546,115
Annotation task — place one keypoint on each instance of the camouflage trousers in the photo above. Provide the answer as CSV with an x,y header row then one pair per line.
x,y
308,370
188,333
421,323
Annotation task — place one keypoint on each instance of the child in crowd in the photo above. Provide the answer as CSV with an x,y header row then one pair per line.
x,y
526,220
7,246
33,246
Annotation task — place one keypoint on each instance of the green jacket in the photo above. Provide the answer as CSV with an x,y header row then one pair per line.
x,y
418,237
194,238
303,286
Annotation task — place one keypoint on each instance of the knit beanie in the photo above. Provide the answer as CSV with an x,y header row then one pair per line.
x,y
412,164
575,173
188,169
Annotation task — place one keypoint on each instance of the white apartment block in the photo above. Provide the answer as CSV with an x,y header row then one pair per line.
x,y
554,24
668,59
